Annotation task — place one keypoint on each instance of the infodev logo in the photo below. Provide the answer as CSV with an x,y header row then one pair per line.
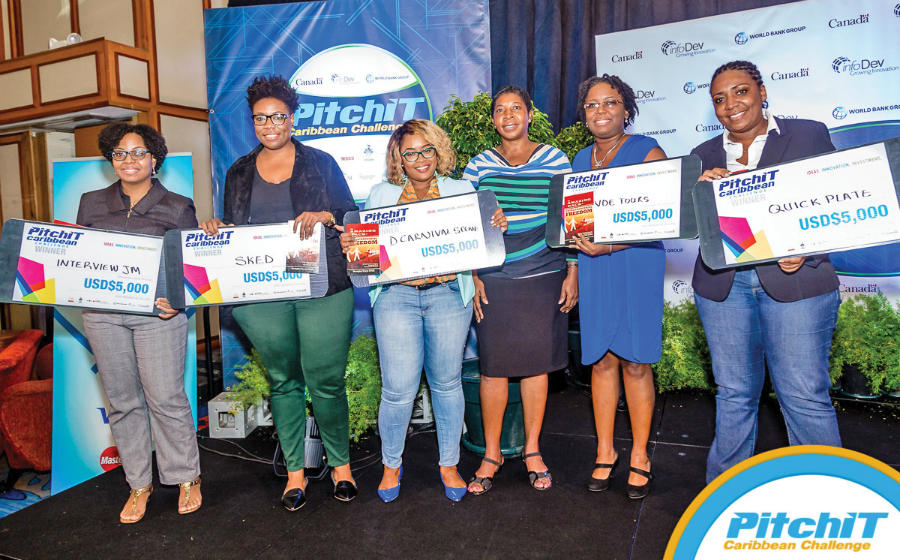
x,y
647,95
860,66
672,48
806,501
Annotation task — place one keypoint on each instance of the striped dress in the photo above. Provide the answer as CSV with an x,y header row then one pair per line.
x,y
522,191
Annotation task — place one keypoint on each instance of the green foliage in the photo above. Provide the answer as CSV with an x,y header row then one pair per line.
x,y
253,386
574,138
685,362
867,335
469,125
363,385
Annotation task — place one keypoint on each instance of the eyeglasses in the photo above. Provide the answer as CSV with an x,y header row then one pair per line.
x,y
137,154
606,104
412,155
276,118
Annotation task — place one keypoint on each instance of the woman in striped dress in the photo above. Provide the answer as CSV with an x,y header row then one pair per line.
x,y
522,332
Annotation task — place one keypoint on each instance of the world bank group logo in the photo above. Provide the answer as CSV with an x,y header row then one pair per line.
x,y
839,113
838,63
741,38
810,501
897,10
689,87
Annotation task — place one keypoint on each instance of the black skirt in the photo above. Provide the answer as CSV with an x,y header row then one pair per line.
x,y
523,332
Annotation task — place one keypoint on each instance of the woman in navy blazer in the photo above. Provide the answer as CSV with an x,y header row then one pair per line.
x,y
781,315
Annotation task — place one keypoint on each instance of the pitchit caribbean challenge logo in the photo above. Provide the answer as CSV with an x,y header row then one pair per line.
x,y
807,501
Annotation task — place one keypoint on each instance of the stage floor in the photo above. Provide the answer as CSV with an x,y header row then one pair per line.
x,y
241,516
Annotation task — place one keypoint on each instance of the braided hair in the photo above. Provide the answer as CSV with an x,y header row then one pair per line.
x,y
617,84
743,66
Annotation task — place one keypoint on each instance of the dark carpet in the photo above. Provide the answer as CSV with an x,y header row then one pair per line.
x,y
242,518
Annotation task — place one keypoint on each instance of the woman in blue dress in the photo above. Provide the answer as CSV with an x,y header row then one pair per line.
x,y
621,291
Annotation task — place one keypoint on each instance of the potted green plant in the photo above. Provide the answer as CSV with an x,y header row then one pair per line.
x,y
254,384
685,361
363,385
865,350
573,138
468,123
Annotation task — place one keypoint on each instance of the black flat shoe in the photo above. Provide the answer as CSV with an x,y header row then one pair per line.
x,y
639,492
602,484
344,490
293,499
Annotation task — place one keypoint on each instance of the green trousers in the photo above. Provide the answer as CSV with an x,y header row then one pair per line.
x,y
305,342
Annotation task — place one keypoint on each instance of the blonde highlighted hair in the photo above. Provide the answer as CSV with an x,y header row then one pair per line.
x,y
433,134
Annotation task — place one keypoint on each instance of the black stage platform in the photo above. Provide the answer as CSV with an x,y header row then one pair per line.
x,y
241,516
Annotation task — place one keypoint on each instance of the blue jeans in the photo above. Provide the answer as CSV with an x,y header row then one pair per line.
x,y
749,329
415,328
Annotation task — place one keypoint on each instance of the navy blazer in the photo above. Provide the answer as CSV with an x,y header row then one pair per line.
x,y
799,138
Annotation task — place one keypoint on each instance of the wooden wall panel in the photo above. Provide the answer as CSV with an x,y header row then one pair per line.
x,y
42,19
180,53
110,19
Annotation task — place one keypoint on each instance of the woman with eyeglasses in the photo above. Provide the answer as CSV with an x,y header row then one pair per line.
x,y
303,343
523,331
423,322
140,359
621,287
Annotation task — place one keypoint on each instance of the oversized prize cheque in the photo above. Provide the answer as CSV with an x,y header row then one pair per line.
x,y
70,266
831,202
629,204
432,237
244,264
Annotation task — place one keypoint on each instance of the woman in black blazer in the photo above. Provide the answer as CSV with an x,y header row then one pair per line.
x,y
777,314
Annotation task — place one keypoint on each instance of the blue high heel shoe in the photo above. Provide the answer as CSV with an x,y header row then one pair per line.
x,y
453,494
390,494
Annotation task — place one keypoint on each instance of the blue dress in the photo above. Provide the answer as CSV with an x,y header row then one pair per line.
x,y
620,297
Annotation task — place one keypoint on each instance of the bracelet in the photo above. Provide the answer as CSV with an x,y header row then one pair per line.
x,y
571,264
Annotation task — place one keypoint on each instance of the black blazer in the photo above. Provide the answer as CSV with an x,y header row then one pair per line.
x,y
799,138
159,211
317,184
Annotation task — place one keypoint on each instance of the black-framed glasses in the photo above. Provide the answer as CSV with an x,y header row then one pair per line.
x,y
276,118
606,104
137,154
413,155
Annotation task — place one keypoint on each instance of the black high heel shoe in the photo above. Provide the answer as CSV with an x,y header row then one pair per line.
x,y
636,492
602,484
294,498
344,490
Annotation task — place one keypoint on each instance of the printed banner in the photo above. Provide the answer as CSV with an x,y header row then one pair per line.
x,y
248,263
430,238
833,202
632,203
89,268
826,60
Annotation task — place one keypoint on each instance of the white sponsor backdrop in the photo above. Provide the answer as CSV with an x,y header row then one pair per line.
x,y
833,61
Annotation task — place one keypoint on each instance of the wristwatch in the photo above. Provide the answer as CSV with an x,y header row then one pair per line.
x,y
331,221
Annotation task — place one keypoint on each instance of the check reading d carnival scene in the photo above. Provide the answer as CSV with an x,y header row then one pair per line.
x,y
833,202
88,268
428,238
248,263
633,203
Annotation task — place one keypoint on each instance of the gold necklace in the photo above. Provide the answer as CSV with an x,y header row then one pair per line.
x,y
599,164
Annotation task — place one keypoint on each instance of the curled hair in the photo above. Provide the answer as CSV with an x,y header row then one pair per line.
x,y
743,66
521,92
110,137
617,84
275,87
433,134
